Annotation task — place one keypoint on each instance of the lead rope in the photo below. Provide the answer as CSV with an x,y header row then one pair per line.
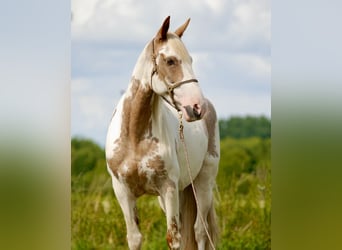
x,y
181,136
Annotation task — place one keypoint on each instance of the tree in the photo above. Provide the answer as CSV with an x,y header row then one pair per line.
x,y
85,156
244,127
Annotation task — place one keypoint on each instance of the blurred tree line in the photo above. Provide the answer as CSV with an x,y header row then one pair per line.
x,y
245,127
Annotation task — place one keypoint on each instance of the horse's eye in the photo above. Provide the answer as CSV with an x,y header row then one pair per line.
x,y
170,62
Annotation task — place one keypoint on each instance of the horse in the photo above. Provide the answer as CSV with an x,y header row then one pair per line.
x,y
145,153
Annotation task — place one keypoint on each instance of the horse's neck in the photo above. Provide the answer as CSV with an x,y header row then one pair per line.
x,y
141,110
137,108
164,121
137,112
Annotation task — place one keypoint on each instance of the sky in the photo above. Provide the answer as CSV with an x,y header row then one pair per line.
x,y
229,41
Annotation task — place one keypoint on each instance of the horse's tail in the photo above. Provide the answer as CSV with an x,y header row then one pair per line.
x,y
188,211
212,226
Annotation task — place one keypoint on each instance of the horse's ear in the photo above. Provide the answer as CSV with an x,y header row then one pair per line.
x,y
162,33
179,32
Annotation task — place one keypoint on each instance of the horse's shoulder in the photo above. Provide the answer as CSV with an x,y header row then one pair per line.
x,y
210,116
210,120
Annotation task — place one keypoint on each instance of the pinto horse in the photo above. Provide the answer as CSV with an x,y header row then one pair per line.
x,y
145,154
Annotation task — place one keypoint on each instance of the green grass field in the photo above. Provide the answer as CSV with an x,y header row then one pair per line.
x,y
243,203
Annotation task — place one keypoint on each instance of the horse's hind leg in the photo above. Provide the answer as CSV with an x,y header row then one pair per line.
x,y
204,184
127,203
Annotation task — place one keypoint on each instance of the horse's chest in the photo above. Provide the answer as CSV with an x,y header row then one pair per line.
x,y
140,167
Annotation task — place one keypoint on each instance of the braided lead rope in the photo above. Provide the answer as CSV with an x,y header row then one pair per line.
x,y
181,135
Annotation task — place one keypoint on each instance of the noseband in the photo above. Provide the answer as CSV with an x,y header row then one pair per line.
x,y
170,87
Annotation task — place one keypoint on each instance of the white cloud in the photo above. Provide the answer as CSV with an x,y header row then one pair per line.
x,y
111,20
233,70
228,22
91,104
252,19
79,85
93,108
241,103
258,65
215,5
83,11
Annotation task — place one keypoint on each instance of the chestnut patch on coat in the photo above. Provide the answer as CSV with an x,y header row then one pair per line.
x,y
210,119
171,236
136,148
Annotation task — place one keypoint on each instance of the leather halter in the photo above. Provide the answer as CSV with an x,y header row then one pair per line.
x,y
170,87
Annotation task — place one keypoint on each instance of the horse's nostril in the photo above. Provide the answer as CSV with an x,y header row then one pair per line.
x,y
197,111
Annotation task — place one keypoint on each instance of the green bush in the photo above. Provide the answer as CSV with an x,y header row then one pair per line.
x,y
85,156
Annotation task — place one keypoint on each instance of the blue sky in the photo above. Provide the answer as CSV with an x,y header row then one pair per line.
x,y
228,40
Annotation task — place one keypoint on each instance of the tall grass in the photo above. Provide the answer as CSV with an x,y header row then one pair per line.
x,y
243,204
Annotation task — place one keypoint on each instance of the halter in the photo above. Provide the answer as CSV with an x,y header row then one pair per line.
x,y
169,87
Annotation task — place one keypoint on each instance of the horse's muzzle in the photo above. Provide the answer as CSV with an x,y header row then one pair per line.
x,y
193,113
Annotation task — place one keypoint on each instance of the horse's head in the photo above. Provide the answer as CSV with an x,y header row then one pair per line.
x,y
172,76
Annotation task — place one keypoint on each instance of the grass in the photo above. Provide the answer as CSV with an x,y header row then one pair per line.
x,y
243,205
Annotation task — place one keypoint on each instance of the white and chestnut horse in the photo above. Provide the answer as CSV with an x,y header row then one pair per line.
x,y
145,154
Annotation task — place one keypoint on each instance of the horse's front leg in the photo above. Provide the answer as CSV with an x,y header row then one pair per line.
x,y
170,198
127,203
